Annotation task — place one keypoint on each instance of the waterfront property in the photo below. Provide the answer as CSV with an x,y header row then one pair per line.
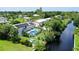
x,y
37,30
29,26
24,27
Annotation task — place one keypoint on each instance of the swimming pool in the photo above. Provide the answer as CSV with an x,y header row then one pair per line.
x,y
33,32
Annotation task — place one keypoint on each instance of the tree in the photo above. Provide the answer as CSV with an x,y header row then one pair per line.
x,y
39,45
54,29
55,25
18,20
9,32
40,12
76,19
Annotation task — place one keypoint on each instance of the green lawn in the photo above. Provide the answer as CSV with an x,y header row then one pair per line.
x,y
76,40
9,46
20,20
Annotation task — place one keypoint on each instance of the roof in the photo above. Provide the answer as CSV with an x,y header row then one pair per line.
x,y
35,15
26,17
3,20
42,20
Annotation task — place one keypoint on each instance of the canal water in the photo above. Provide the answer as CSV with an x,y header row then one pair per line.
x,y
66,40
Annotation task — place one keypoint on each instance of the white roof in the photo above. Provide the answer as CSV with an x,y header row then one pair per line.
x,y
26,17
35,15
42,20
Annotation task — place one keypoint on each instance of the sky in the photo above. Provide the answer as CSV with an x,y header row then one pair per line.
x,y
34,8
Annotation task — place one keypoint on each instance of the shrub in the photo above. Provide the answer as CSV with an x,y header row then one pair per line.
x,y
7,31
25,34
39,45
25,41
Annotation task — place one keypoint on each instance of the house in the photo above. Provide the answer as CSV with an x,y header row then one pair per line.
x,y
24,27
36,15
3,20
20,16
59,16
26,17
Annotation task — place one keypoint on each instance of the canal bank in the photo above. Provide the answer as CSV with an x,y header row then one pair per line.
x,y
66,42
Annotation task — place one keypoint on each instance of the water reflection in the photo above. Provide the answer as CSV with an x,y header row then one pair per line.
x,y
66,40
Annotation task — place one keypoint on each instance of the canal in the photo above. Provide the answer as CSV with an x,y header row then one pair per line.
x,y
66,40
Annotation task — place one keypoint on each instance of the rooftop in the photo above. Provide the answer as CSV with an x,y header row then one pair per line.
x,y
35,15
42,20
3,20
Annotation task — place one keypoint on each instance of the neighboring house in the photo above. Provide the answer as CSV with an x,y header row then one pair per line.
x,y
20,16
59,16
27,18
36,15
3,20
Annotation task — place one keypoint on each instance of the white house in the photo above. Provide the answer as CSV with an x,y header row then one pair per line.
x,y
3,20
36,15
26,17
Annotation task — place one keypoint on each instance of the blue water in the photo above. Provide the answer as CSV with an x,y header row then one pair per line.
x,y
66,40
33,32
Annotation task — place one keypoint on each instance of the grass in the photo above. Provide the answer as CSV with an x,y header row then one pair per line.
x,y
9,46
76,40
21,20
